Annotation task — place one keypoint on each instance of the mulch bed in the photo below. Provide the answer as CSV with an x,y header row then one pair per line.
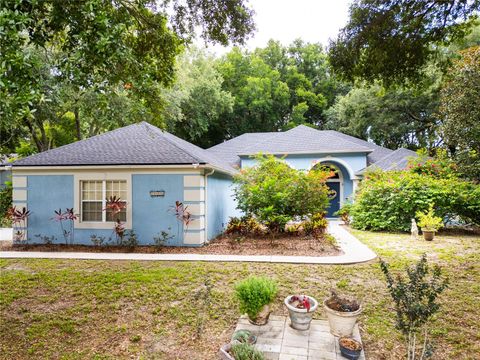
x,y
227,245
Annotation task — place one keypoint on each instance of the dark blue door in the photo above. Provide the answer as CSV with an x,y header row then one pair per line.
x,y
334,198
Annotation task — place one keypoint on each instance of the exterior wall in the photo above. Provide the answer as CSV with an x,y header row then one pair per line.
x,y
43,192
348,164
220,204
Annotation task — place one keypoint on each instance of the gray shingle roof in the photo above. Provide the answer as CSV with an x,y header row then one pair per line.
x,y
396,160
137,144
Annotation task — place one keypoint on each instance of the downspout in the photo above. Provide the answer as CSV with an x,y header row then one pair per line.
x,y
206,202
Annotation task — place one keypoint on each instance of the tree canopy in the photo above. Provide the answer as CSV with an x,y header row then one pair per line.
x,y
394,40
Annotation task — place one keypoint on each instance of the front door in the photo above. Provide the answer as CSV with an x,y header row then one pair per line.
x,y
334,198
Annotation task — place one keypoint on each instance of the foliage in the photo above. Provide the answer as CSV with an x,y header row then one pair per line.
x,y
460,111
415,300
389,200
246,225
428,221
244,351
182,214
5,204
342,303
19,217
397,117
254,293
53,49
196,102
275,193
316,225
97,240
69,216
162,238
395,40
440,166
47,240
128,239
344,213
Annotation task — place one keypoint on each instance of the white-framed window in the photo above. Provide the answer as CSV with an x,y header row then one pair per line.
x,y
93,199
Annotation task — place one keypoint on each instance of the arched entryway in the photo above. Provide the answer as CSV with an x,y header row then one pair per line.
x,y
336,185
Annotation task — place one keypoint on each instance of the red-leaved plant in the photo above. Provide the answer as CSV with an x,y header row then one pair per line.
x,y
182,214
69,216
19,218
302,302
116,205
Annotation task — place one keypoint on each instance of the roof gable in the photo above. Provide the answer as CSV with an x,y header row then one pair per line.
x,y
137,144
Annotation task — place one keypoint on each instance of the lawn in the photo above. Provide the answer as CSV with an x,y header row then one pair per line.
x,y
68,309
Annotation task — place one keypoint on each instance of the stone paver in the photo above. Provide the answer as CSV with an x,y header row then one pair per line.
x,y
353,252
278,341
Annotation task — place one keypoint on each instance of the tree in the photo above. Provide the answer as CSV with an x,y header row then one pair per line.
x,y
102,44
196,102
395,117
460,111
394,40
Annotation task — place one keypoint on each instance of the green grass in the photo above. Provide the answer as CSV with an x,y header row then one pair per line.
x,y
74,309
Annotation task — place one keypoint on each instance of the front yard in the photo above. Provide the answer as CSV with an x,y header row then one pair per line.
x,y
73,309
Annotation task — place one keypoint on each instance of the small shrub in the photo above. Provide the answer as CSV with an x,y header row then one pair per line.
x,y
316,225
47,240
254,293
97,240
344,213
244,351
415,300
428,220
246,225
129,239
162,238
275,193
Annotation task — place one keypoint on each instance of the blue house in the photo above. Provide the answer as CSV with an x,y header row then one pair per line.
x,y
151,170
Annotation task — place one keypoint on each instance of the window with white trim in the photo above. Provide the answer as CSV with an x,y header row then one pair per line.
x,y
94,195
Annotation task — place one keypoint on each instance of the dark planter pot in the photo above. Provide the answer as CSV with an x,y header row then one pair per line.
x,y
349,353
428,234
262,317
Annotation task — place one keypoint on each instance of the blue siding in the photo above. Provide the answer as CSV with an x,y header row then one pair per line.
x,y
5,176
153,215
220,204
47,193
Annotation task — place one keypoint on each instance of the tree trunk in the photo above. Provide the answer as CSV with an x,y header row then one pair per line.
x,y
77,123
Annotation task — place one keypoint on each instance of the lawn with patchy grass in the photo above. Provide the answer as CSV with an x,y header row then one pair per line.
x,y
76,309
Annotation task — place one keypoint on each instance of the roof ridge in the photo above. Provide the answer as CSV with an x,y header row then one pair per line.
x,y
162,133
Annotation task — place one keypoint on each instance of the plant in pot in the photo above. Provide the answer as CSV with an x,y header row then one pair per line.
x,y
255,294
301,309
429,223
342,313
240,351
350,348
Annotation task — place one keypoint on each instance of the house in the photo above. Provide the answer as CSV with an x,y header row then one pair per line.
x,y
151,170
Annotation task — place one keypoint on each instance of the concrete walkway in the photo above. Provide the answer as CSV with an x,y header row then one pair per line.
x,y
353,252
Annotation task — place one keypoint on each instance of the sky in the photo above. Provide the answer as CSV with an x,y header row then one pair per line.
x,y
286,20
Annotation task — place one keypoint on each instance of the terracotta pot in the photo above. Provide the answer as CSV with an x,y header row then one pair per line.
x,y
262,317
300,319
341,322
224,353
428,234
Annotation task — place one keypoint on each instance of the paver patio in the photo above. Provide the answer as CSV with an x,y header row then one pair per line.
x,y
278,341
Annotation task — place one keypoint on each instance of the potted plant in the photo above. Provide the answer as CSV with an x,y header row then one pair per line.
x,y
240,351
342,314
350,348
429,223
301,309
255,294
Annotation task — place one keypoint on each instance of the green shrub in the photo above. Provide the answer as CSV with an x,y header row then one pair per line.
x,y
316,225
244,351
275,193
5,204
389,200
254,293
428,220
344,213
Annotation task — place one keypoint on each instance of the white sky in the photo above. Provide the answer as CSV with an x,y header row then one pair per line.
x,y
286,20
